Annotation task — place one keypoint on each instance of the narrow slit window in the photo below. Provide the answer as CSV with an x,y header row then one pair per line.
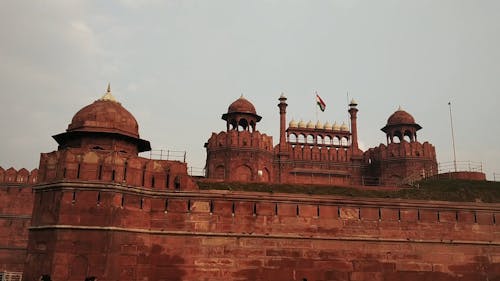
x,y
99,174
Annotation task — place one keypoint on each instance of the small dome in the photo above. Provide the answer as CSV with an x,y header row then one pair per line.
x,y
241,105
293,124
105,115
318,125
336,127
327,126
302,124
310,125
344,127
400,117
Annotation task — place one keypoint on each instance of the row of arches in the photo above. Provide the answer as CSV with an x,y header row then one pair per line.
x,y
300,152
241,124
243,173
319,139
399,137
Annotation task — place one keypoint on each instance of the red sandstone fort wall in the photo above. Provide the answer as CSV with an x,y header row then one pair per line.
x,y
121,234
16,205
108,166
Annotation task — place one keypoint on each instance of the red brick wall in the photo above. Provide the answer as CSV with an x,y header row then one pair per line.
x,y
477,176
244,236
16,205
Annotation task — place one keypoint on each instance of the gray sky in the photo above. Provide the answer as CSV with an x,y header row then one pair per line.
x,y
177,65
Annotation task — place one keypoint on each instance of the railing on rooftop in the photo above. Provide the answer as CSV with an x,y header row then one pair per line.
x,y
461,166
496,176
196,172
165,154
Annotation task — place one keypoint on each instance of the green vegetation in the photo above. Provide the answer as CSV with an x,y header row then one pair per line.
x,y
440,190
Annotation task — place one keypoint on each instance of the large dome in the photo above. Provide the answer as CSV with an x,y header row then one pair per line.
x,y
241,105
400,117
105,116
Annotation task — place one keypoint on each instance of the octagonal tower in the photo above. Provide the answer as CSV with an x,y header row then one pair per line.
x,y
403,160
241,153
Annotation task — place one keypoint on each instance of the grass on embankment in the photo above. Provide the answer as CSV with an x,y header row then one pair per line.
x,y
440,190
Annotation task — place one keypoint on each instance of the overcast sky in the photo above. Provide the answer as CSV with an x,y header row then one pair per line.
x,y
177,65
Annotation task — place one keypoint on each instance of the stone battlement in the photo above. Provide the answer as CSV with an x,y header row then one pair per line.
x,y
21,176
113,166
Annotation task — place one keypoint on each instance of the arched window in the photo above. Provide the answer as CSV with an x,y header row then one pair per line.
x,y
336,140
310,139
327,140
319,140
243,124
301,138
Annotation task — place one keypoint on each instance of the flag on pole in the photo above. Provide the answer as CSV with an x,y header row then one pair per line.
x,y
320,103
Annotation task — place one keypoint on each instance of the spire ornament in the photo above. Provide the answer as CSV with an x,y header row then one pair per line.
x,y
108,96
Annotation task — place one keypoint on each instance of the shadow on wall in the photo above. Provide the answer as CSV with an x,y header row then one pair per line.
x,y
165,267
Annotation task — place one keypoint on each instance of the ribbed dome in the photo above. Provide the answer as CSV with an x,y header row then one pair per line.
x,y
327,126
302,124
344,127
318,125
336,127
241,105
105,115
400,117
310,125
293,124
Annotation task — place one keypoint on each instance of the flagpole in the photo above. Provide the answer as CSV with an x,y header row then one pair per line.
x,y
453,139
315,105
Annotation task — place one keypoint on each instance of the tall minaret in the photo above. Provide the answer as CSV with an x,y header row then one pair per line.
x,y
282,105
354,127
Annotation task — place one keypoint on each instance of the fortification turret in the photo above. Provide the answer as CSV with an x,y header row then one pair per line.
x,y
404,159
241,153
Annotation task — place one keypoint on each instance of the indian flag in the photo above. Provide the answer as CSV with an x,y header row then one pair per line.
x,y
320,103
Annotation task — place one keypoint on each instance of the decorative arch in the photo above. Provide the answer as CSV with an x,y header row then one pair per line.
x,y
243,173
336,140
344,141
408,136
328,140
243,123
266,176
310,139
220,172
301,138
319,139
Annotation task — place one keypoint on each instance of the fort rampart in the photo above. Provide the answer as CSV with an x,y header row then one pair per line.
x,y
128,233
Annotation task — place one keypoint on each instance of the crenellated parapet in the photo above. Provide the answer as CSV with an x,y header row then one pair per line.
x,y
239,156
21,176
113,166
240,139
395,151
